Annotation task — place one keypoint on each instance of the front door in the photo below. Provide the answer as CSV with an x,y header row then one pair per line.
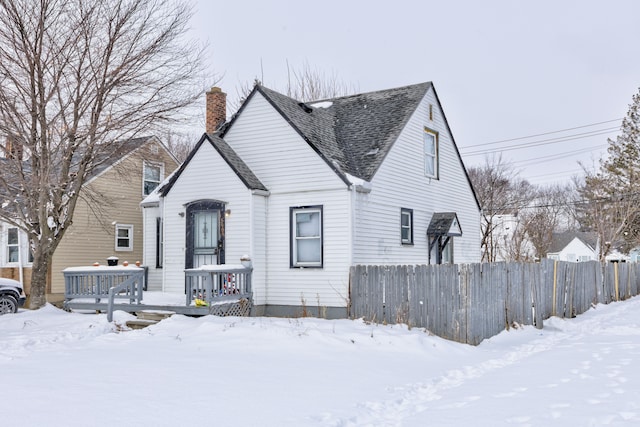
x,y
205,234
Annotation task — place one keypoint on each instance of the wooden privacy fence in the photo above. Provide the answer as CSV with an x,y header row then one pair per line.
x,y
470,302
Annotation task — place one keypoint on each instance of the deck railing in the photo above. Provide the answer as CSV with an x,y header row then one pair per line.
x,y
212,283
95,282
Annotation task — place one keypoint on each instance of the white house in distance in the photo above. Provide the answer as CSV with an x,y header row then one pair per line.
x,y
309,189
573,246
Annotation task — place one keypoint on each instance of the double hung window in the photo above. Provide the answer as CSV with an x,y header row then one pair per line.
x,y
306,236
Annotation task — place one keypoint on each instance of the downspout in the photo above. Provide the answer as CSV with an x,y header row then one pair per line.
x,y
20,273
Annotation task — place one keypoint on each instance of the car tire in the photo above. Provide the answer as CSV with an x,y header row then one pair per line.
x,y
8,304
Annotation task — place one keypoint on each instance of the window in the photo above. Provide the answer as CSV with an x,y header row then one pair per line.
x,y
306,236
124,237
13,248
406,226
152,177
430,153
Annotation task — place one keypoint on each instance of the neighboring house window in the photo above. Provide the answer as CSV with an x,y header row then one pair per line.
x,y
430,153
306,236
13,248
406,226
152,177
159,243
584,258
124,237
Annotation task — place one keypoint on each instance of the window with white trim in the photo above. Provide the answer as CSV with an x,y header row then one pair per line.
x,y
306,236
406,226
430,153
124,237
13,246
152,176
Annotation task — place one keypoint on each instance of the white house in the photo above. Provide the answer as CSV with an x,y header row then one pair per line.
x,y
310,189
573,247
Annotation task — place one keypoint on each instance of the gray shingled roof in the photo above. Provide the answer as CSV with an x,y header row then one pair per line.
x,y
560,240
354,133
103,161
228,155
441,223
239,167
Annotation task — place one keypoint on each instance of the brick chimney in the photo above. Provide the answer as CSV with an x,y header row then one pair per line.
x,y
216,109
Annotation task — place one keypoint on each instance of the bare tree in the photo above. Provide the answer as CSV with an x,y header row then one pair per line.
x,y
500,193
548,213
311,84
610,213
610,196
78,78
304,84
179,143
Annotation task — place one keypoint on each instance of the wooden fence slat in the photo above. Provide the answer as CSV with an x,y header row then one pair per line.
x,y
469,303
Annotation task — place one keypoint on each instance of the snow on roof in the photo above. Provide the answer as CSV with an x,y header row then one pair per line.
x,y
321,104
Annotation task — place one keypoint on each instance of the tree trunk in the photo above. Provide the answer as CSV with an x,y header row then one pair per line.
x,y
39,273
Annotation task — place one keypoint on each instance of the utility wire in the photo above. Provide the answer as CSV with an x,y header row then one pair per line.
x,y
543,134
541,142
564,154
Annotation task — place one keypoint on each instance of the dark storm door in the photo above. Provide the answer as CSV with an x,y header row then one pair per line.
x,y
205,234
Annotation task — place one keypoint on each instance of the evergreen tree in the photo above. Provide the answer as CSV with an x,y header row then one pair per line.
x,y
612,194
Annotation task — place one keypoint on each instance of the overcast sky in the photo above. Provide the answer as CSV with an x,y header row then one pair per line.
x,y
502,69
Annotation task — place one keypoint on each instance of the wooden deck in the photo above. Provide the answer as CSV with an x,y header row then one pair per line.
x,y
222,290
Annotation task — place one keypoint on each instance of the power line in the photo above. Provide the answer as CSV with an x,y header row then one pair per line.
x,y
558,156
543,134
542,142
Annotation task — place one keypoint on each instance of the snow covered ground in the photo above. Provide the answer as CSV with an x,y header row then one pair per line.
x,y
72,369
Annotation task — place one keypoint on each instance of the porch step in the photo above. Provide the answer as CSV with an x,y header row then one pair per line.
x,y
148,317
140,323
154,314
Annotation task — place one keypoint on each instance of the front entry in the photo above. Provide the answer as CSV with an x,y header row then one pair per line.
x,y
204,233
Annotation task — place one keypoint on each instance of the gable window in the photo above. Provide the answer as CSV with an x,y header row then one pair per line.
x,y
406,226
430,153
124,237
13,247
306,236
152,177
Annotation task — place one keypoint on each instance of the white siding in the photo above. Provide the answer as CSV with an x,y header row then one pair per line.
x,y
574,251
295,176
276,153
401,183
154,277
326,286
259,248
207,176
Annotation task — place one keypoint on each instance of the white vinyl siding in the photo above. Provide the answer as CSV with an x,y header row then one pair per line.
x,y
276,153
326,286
401,181
206,177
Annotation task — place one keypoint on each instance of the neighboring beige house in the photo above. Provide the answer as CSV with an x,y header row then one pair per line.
x,y
107,220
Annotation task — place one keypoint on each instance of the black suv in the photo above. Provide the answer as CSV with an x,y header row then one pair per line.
x,y
11,296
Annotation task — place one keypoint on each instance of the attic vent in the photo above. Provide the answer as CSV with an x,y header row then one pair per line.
x,y
305,107
372,152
